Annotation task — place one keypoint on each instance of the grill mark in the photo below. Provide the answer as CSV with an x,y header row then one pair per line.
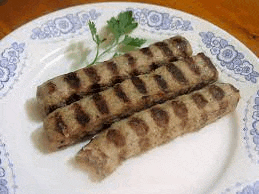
x,y
100,158
154,66
160,117
139,84
192,66
209,64
60,124
161,82
72,98
72,80
101,104
94,88
51,109
121,94
164,48
131,60
80,115
146,101
104,126
51,87
173,59
217,93
144,144
114,136
139,126
180,109
134,72
176,73
92,74
112,67
222,107
181,44
147,51
199,100
117,79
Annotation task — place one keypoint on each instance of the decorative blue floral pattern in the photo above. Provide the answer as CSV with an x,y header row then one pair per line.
x,y
160,21
9,60
251,131
250,189
3,187
239,188
7,176
70,23
229,57
255,124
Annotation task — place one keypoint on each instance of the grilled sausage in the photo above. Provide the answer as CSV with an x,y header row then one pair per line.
x,y
155,126
66,89
86,117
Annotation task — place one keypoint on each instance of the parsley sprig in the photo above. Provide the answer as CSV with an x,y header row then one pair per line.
x,y
120,27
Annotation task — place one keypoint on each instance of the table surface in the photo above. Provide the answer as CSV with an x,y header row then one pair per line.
x,y
238,17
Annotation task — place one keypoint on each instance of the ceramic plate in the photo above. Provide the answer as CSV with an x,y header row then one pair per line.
x,y
221,158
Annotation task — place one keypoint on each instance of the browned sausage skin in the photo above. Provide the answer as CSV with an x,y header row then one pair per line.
x,y
155,126
68,125
66,89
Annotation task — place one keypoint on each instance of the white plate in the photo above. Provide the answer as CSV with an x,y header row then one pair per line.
x,y
221,158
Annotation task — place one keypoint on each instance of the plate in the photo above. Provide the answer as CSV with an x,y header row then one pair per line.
x,y
221,158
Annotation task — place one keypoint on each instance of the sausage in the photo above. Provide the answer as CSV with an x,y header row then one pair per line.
x,y
86,117
66,89
155,126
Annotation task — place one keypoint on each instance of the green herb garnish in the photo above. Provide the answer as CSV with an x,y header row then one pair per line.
x,y
136,42
120,27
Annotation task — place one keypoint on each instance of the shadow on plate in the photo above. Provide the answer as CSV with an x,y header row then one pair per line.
x,y
33,110
40,140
